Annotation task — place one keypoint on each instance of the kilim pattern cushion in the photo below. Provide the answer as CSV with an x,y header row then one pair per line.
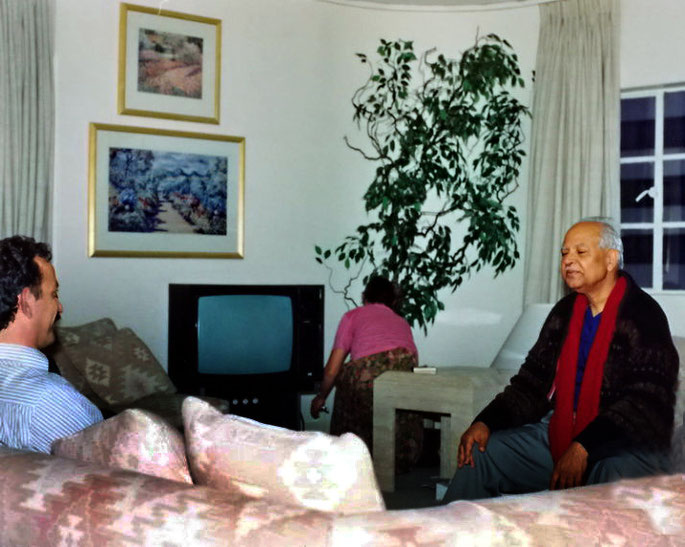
x,y
120,368
135,440
47,500
73,336
306,469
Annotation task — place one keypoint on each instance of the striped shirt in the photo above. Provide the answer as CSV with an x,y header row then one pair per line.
x,y
37,406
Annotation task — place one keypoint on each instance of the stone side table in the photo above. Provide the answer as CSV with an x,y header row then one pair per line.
x,y
458,394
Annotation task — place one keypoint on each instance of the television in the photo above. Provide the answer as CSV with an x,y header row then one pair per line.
x,y
258,346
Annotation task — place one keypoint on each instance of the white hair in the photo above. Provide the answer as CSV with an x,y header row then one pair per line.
x,y
609,236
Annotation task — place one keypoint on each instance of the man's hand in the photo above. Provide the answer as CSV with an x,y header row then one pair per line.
x,y
477,433
569,470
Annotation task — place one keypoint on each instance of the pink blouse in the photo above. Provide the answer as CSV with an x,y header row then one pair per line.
x,y
373,328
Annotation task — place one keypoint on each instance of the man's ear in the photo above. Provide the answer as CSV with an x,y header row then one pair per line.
x,y
612,260
25,302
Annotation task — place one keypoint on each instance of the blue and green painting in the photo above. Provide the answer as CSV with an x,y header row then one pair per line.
x,y
175,192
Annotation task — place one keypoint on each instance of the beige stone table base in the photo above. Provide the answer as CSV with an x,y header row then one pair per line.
x,y
456,393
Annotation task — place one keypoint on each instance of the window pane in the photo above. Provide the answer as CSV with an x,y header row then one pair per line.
x,y
636,203
674,122
674,258
637,127
637,255
674,190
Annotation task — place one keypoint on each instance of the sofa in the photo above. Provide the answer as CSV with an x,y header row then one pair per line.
x,y
135,480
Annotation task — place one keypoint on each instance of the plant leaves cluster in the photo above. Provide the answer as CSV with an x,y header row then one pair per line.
x,y
446,136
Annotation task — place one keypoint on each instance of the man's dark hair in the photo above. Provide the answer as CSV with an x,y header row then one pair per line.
x,y
18,270
380,290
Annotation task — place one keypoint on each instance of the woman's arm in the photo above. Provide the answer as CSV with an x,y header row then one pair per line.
x,y
330,373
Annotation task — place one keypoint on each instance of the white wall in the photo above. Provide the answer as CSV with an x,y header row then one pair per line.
x,y
287,77
652,43
288,74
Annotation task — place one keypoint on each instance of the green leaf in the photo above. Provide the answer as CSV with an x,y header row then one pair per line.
x,y
426,185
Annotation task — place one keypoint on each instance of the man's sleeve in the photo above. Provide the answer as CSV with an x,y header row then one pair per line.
x,y
62,411
526,398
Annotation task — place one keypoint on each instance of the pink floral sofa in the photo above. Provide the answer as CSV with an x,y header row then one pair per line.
x,y
135,480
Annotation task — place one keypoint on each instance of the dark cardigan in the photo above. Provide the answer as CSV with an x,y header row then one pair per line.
x,y
639,386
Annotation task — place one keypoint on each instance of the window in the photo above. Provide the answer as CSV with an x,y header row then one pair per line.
x,y
653,186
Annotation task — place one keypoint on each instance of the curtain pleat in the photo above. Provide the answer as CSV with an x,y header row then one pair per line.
x,y
26,117
574,166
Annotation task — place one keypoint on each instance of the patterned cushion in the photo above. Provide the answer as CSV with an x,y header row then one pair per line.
x,y
306,469
84,334
79,335
135,440
119,367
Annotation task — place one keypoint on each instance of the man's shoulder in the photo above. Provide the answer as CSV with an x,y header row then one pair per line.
x,y
641,313
23,354
640,305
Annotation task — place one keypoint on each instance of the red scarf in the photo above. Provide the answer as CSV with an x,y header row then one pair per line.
x,y
562,426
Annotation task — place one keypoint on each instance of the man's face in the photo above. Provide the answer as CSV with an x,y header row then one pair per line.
x,y
47,308
584,266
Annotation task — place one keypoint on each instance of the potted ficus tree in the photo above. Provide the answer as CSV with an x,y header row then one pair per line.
x,y
446,137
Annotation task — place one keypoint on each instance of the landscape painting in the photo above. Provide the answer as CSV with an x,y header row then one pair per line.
x,y
169,64
157,191
162,193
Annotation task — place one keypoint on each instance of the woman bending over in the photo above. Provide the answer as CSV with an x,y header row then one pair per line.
x,y
377,339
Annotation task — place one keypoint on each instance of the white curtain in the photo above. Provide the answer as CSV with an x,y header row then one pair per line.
x,y
574,165
26,117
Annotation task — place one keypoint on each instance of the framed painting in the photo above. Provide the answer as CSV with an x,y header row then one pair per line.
x,y
158,193
169,64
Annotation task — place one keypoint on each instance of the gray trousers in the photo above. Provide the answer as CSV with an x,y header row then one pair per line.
x,y
518,460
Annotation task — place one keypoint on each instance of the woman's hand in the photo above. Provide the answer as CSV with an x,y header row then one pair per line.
x,y
330,373
318,403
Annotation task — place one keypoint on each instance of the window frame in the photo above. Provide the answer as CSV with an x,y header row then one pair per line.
x,y
657,225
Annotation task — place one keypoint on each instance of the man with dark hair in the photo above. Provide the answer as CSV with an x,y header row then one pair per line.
x,y
36,407
593,401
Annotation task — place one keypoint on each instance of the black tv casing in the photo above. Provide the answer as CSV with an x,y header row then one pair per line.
x,y
271,398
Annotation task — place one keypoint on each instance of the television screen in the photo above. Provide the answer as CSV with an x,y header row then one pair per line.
x,y
244,334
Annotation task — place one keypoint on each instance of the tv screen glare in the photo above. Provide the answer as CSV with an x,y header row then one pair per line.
x,y
244,334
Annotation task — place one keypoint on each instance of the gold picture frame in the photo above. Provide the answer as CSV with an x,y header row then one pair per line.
x,y
169,64
164,194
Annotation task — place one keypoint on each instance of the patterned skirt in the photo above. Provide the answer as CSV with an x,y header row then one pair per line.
x,y
353,407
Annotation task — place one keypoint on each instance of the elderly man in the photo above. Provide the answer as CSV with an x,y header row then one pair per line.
x,y
36,407
593,401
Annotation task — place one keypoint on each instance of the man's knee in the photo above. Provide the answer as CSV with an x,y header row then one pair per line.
x,y
606,470
628,465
